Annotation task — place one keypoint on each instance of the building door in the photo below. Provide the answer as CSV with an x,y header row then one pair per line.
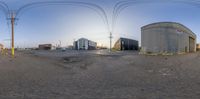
x,y
191,44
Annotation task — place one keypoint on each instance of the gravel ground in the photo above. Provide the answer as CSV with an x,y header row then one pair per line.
x,y
99,75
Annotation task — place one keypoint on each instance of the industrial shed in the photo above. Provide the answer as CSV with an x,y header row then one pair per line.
x,y
167,38
126,44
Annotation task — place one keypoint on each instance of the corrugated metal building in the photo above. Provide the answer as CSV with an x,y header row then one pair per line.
x,y
126,44
167,37
84,44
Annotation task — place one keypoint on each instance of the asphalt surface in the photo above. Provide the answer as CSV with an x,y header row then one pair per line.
x,y
99,75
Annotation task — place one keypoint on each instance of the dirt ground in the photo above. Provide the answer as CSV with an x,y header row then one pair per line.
x,y
99,75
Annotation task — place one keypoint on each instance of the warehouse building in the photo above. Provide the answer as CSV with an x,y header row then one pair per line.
x,y
45,46
126,44
84,44
167,38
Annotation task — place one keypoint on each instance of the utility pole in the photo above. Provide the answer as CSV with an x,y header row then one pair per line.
x,y
12,27
60,43
110,41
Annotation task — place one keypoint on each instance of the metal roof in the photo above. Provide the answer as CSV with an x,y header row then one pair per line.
x,y
170,25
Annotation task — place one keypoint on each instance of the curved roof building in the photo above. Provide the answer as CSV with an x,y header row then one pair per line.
x,y
167,37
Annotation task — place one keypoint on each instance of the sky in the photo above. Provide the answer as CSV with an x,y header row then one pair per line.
x,y
66,23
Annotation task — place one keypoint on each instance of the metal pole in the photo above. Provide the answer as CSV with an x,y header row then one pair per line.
x,y
12,22
60,43
110,41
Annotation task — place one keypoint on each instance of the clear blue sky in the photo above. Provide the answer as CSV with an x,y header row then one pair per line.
x,y
50,24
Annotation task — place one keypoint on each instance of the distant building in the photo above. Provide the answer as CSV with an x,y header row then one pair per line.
x,y
75,45
1,47
70,47
84,44
101,47
126,44
198,47
167,38
45,47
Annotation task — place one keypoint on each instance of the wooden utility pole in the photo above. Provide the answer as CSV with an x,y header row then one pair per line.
x,y
13,23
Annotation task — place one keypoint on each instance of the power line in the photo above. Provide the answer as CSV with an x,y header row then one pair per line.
x,y
121,5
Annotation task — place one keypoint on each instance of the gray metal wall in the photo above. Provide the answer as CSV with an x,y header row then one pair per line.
x,y
126,44
166,37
